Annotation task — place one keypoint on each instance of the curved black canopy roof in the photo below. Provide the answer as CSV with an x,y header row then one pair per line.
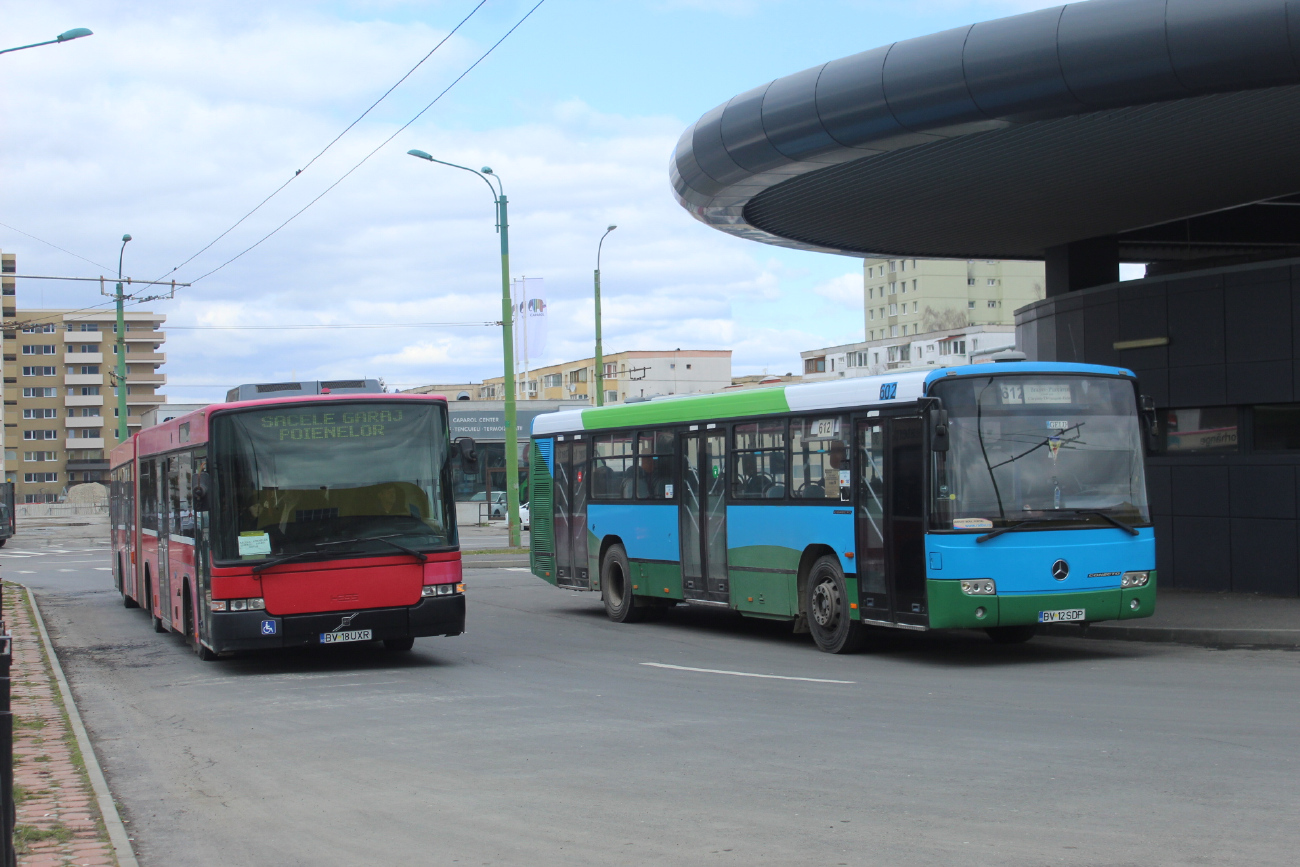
x,y
1172,124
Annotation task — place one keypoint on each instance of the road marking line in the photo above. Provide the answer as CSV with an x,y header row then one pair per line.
x,y
67,570
744,673
517,569
17,556
24,571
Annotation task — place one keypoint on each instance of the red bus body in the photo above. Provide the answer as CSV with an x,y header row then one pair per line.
x,y
170,570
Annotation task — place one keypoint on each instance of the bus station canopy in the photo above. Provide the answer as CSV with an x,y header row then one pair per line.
x,y
1169,125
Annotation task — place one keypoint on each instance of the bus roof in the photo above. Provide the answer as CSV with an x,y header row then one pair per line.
x,y
834,394
168,435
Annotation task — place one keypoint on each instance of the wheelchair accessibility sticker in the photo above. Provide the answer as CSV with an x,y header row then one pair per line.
x,y
268,627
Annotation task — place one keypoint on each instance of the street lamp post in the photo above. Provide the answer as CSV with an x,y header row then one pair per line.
x,y
121,348
68,36
600,352
507,341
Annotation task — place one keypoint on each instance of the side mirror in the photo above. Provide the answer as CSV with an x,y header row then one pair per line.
x,y
1151,421
468,455
939,430
202,484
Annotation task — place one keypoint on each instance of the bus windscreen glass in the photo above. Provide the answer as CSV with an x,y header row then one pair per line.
x,y
294,479
1038,448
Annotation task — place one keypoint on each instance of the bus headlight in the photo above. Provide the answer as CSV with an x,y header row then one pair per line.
x,y
1135,579
979,587
442,589
238,604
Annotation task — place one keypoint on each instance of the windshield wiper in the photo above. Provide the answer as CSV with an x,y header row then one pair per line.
x,y
301,555
1132,531
1000,530
387,540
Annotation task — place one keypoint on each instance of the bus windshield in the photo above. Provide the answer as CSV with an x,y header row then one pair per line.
x,y
1038,450
293,479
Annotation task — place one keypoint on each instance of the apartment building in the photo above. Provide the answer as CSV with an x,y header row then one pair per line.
x,y
60,401
951,348
628,375
902,297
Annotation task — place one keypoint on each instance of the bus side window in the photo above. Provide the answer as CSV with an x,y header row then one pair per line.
x,y
611,465
760,461
817,455
148,495
654,464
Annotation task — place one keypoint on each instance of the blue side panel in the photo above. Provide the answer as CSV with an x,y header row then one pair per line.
x,y
1022,562
1004,368
547,448
648,532
794,527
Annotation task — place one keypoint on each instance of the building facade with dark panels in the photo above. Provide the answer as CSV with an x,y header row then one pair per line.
x,y
1085,135
1218,350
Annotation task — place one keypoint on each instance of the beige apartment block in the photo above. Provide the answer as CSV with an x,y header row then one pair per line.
x,y
60,394
628,375
903,297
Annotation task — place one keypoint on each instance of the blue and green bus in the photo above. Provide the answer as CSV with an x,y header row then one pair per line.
x,y
993,496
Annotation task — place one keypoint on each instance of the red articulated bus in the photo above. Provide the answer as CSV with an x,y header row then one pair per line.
x,y
292,521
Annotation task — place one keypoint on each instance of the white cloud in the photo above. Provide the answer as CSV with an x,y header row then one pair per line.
x,y
844,291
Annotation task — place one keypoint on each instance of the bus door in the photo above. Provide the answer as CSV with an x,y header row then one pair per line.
x,y
702,517
571,514
166,482
891,534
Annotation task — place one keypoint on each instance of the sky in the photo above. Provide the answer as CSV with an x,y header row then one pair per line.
x,y
176,119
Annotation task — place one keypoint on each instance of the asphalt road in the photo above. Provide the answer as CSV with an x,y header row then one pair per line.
x,y
548,735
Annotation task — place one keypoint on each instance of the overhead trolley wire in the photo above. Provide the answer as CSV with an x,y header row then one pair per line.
x,y
333,142
55,246
381,145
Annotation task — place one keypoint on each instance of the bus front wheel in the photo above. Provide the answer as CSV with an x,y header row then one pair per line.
x,y
616,587
1011,634
827,602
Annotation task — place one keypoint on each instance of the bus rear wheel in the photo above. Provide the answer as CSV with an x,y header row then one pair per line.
x,y
616,588
827,602
1011,634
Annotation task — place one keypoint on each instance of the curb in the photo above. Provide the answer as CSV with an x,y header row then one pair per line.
x,y
1236,637
107,807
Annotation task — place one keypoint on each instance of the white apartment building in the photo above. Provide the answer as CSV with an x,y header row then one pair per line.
x,y
949,348
631,374
904,297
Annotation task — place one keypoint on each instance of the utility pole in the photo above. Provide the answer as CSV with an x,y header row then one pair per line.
x,y
600,352
121,349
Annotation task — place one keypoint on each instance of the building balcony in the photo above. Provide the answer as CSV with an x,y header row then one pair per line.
x,y
83,443
84,358
83,336
133,378
78,465
154,358
84,400
146,336
85,421
145,399
84,379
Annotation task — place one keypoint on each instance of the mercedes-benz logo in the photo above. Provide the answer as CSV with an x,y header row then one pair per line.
x,y
1060,570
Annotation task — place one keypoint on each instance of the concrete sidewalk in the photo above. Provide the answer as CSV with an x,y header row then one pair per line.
x,y
1211,619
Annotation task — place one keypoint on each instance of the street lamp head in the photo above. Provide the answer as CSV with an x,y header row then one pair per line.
x,y
421,154
611,228
487,170
125,238
74,33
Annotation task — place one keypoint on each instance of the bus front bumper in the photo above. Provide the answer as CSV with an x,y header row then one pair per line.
x,y
258,630
950,608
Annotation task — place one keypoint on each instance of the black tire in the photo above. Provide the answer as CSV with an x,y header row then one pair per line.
x,y
127,601
3,541
616,588
1011,634
827,602
398,645
203,652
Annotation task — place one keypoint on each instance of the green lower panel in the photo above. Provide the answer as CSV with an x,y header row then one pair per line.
x,y
1146,600
851,585
763,557
1096,605
952,609
660,580
770,594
